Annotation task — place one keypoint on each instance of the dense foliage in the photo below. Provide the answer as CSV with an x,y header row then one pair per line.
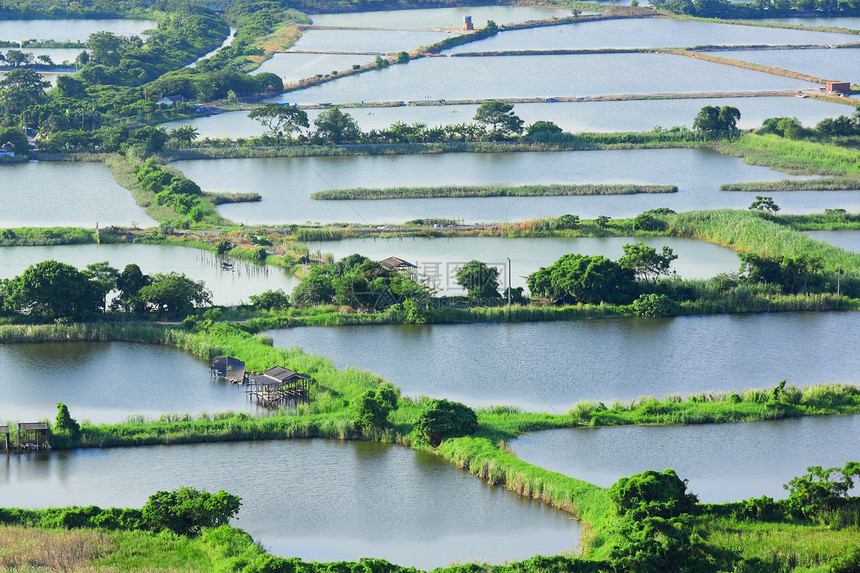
x,y
442,419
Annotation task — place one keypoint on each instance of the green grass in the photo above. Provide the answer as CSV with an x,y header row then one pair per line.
x,y
489,191
823,184
799,157
40,236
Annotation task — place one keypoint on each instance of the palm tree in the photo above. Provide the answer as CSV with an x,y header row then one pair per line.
x,y
185,134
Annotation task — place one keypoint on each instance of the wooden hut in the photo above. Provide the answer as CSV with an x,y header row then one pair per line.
x,y
32,435
4,431
397,264
278,385
229,369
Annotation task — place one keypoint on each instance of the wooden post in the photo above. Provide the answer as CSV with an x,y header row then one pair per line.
x,y
8,446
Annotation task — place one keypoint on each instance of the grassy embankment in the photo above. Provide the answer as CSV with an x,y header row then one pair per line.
x,y
449,191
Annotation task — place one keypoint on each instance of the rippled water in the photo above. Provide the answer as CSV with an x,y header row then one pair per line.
x,y
838,65
320,500
549,366
725,462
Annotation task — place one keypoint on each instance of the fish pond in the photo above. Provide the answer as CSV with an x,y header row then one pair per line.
x,y
440,17
320,500
548,366
848,240
286,184
70,30
65,194
830,64
724,462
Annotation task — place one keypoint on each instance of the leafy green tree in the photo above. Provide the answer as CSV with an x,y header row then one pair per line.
x,y
543,130
442,419
20,89
271,300
174,294
315,289
106,48
576,278
18,58
129,282
186,511
764,204
841,126
645,262
16,137
402,57
647,222
185,134
51,290
70,87
821,489
151,139
336,127
652,494
279,119
103,277
713,122
500,118
654,305
603,221
479,280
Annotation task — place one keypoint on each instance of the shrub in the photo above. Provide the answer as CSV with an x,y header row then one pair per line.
x,y
442,419
185,511
654,305
652,494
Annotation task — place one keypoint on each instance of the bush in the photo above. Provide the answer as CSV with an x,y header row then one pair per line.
x,y
443,419
647,222
185,511
372,407
652,494
654,305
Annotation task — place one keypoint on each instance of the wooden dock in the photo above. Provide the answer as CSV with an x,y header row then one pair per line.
x,y
279,386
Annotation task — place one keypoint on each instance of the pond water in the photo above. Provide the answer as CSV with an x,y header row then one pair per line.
x,y
829,64
292,67
598,116
72,194
320,500
228,288
50,77
69,30
724,462
850,22
440,17
548,366
105,382
286,184
435,78
646,33
848,240
366,40
438,259
57,55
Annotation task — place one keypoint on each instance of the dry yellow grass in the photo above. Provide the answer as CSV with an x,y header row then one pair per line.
x,y
27,549
278,41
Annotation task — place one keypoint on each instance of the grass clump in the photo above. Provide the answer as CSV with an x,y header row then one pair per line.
x,y
459,191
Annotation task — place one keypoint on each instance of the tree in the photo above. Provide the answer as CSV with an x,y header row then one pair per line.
x,y
543,130
334,126
65,422
499,116
70,87
603,221
18,58
129,283
174,294
583,279
105,48
764,204
645,262
184,134
479,280
402,58
442,419
821,489
654,305
45,59
22,88
713,122
52,290
280,119
151,139
271,300
372,408
16,137
185,511
652,494
103,277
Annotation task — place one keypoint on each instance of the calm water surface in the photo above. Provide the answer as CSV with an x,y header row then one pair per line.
x,y
599,116
109,381
440,17
293,67
645,33
848,240
852,23
549,366
724,462
69,30
65,194
228,288
839,64
366,40
438,259
286,184
542,76
320,500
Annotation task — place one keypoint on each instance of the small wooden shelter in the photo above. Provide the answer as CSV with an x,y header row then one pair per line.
x,y
32,435
4,431
229,369
278,385
397,264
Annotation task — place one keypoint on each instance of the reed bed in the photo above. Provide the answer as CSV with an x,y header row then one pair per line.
x,y
456,191
798,157
25,548
823,184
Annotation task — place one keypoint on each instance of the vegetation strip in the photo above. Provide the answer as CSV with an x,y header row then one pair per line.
x,y
490,191
822,184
